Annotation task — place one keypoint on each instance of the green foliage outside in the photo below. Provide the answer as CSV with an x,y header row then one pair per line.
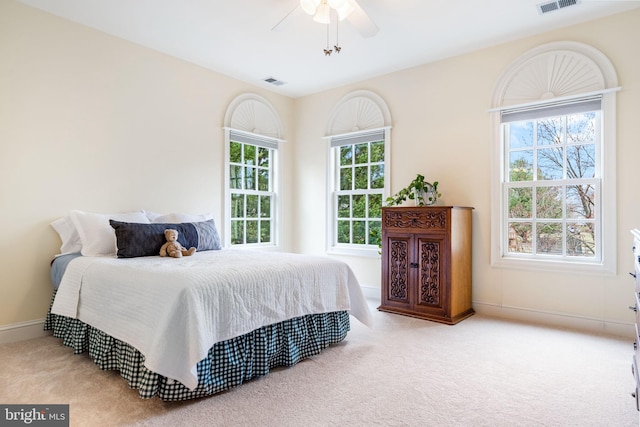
x,y
564,150
359,199
250,170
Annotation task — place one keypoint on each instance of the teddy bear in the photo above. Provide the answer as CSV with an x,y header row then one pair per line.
x,y
172,247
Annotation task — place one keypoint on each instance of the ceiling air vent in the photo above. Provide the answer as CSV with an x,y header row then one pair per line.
x,y
273,81
550,6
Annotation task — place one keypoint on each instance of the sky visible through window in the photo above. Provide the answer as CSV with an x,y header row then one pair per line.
x,y
552,185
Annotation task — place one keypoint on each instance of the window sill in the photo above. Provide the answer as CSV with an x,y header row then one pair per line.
x,y
552,266
359,252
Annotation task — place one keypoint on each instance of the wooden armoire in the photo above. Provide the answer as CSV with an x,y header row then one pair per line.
x,y
426,262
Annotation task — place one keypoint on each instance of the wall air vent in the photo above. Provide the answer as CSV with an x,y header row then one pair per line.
x,y
550,6
273,81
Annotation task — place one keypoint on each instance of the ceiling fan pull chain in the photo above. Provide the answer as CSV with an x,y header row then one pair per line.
x,y
337,45
328,51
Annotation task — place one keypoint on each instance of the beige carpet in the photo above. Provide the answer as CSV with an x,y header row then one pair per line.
x,y
402,372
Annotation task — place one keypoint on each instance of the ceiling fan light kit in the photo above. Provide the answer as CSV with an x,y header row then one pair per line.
x,y
323,14
309,6
320,9
343,7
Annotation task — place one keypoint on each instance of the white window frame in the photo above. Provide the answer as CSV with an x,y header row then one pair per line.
x,y
334,143
258,141
357,113
605,262
253,119
557,72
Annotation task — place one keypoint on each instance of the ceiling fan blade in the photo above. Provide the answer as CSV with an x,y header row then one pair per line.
x,y
279,25
361,21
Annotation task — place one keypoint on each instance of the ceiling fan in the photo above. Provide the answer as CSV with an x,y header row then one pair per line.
x,y
323,11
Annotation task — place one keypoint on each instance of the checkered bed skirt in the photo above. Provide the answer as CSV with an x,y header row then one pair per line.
x,y
228,364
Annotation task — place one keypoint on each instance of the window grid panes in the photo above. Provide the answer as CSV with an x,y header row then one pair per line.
x,y
252,196
358,200
552,187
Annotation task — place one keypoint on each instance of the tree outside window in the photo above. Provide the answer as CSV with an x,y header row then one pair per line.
x,y
552,186
250,181
358,198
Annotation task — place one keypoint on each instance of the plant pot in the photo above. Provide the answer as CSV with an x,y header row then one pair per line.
x,y
426,198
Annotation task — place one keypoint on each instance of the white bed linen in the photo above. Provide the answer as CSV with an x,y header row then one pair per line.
x,y
173,310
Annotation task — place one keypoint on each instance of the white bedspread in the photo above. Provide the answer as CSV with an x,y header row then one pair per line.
x,y
173,310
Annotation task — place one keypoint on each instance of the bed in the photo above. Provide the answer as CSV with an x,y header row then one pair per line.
x,y
183,328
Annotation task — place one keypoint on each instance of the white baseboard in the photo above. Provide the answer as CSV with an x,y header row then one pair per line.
x,y
560,320
23,331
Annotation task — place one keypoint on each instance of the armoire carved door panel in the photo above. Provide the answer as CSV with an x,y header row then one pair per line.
x,y
430,292
399,270
430,289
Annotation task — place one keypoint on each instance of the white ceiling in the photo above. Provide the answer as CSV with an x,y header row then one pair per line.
x,y
235,37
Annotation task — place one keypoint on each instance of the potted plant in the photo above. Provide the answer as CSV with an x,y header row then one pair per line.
x,y
424,193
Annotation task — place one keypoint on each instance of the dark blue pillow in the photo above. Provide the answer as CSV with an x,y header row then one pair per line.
x,y
137,239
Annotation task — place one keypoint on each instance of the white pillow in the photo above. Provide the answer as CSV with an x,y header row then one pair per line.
x,y
151,215
177,218
96,234
68,234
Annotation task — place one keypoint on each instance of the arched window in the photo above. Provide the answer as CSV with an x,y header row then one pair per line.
x,y
553,192
358,133
253,132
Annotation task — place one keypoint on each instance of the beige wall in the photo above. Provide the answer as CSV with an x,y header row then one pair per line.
x,y
91,122
441,128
